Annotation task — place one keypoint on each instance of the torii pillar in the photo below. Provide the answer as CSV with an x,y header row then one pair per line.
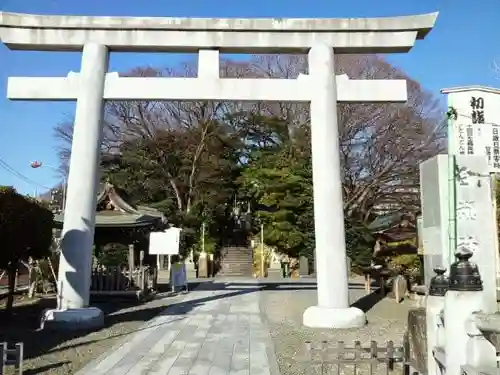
x,y
95,36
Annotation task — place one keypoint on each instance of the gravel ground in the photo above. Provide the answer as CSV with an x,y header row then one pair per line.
x,y
64,353
283,309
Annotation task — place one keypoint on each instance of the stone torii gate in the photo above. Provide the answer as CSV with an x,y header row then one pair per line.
x,y
320,38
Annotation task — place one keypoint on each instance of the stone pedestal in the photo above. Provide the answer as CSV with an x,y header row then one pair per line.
x,y
210,265
303,266
72,319
458,309
190,270
399,288
203,266
274,271
434,325
326,317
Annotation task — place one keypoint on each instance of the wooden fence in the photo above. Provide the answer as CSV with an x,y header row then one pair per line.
x,y
119,281
11,357
327,358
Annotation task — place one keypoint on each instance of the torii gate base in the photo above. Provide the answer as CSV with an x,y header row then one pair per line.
x,y
96,36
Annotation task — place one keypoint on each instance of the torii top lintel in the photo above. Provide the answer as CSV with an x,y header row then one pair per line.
x,y
232,35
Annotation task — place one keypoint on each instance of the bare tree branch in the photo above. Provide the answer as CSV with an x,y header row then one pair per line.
x,y
381,144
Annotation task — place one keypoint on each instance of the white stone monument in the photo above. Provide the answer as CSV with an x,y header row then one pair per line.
x,y
473,218
474,212
475,130
95,36
435,219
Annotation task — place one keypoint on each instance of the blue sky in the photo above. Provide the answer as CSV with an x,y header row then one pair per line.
x,y
459,51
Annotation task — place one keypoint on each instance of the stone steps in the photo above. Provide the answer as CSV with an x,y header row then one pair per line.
x,y
236,262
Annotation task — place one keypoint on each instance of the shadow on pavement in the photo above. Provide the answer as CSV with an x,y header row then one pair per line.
x,y
45,368
366,303
23,325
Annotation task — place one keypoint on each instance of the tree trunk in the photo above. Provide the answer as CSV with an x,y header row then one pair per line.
x,y
12,272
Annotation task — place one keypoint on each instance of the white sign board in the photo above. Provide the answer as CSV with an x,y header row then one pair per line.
x,y
165,243
476,128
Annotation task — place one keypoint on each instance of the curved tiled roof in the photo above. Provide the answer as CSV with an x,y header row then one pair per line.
x,y
123,214
127,220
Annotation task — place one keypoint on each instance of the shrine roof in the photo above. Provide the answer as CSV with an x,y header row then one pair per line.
x,y
394,250
113,211
385,221
118,220
398,221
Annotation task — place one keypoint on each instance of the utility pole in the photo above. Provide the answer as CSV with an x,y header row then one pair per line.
x,y
203,238
262,260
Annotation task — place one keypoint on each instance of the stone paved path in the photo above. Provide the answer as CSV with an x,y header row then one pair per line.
x,y
212,331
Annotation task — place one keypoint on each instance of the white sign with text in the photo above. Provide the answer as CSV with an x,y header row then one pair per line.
x,y
165,243
476,123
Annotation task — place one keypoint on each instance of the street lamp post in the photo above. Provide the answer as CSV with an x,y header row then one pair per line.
x,y
39,164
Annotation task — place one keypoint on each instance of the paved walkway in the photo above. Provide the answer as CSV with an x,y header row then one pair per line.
x,y
212,331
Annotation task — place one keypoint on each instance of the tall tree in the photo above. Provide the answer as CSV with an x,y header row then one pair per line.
x,y
187,173
278,180
381,144
173,153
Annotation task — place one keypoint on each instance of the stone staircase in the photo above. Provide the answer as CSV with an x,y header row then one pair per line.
x,y
236,262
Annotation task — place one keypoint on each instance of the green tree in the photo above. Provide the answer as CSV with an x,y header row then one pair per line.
x,y
359,242
185,158
25,231
189,174
278,179
281,188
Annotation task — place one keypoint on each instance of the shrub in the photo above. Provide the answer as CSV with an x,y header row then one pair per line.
x,y
409,262
25,231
